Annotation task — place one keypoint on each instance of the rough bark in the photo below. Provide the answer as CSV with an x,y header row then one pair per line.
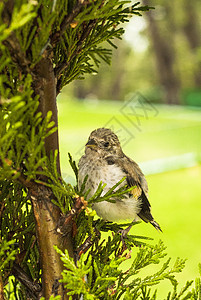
x,y
46,213
45,86
165,60
46,219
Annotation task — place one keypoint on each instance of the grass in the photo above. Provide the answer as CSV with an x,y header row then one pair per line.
x,y
174,195
172,132
176,205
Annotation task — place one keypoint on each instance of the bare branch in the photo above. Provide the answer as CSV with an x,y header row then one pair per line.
x,y
33,289
66,220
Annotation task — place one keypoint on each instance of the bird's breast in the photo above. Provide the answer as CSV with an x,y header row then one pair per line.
x,y
99,171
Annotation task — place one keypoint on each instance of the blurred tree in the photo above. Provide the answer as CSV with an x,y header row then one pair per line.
x,y
128,72
175,71
109,83
164,50
192,30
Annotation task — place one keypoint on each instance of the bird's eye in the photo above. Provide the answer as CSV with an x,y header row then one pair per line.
x,y
106,144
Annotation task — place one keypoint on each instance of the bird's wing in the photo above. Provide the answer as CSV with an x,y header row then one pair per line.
x,y
135,177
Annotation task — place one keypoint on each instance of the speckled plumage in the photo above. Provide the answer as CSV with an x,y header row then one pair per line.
x,y
105,161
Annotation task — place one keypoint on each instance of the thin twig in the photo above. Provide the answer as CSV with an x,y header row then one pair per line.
x,y
34,289
17,55
21,178
66,220
65,64
67,21
88,243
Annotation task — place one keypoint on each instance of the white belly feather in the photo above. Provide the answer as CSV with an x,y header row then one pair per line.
x,y
123,209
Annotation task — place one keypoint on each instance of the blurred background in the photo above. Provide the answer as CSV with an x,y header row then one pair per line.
x,y
151,97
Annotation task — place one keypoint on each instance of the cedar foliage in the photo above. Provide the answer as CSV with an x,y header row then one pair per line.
x,y
45,45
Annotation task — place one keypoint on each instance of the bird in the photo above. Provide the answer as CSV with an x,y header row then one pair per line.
x,y
104,161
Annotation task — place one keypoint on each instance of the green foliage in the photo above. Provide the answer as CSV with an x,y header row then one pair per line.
x,y
99,271
21,138
133,67
73,166
22,14
196,292
80,49
68,34
7,254
63,191
18,238
107,279
72,31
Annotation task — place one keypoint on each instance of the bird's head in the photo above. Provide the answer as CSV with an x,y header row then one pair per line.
x,y
103,142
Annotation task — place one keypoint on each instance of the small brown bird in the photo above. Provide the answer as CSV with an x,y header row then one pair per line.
x,y
105,161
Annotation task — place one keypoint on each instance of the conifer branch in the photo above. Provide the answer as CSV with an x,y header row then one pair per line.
x,y
64,65
33,289
7,11
56,37
17,55
57,42
23,180
20,177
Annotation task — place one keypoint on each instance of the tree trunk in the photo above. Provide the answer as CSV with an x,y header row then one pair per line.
x,y
193,34
46,213
165,60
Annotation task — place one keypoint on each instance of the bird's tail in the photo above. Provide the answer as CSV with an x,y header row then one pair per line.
x,y
156,225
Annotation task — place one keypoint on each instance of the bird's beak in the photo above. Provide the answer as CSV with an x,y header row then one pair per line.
x,y
91,144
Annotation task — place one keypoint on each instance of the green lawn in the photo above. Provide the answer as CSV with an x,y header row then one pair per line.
x,y
175,195
176,205
172,132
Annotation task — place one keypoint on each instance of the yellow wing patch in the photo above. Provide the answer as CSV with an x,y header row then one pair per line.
x,y
137,191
